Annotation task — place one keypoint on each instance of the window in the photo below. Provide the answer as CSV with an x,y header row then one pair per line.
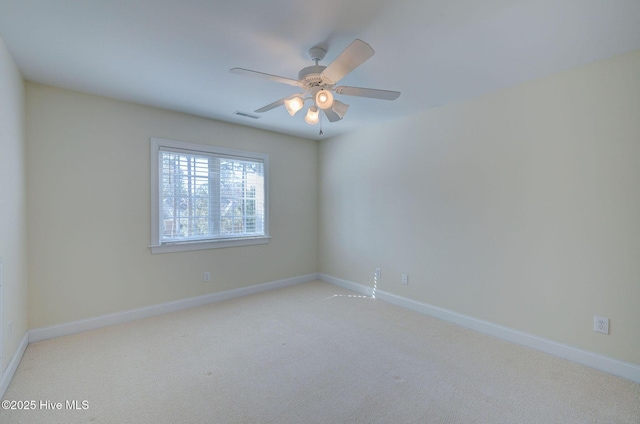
x,y
206,197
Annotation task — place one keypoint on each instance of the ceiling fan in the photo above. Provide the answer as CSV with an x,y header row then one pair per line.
x,y
318,83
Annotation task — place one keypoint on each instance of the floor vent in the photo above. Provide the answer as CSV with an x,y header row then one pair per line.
x,y
247,115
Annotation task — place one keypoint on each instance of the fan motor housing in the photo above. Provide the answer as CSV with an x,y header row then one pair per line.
x,y
311,75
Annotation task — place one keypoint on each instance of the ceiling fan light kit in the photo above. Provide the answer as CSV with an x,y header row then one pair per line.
x,y
294,105
324,99
312,116
319,84
339,108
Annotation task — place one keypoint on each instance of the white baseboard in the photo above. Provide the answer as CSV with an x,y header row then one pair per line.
x,y
583,357
74,327
355,287
8,373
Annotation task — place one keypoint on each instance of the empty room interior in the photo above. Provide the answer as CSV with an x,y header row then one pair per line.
x,y
345,211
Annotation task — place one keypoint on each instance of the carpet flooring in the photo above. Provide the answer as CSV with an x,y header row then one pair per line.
x,y
310,353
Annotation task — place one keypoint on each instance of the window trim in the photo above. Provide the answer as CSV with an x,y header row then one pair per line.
x,y
180,246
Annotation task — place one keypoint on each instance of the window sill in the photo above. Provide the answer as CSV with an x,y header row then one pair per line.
x,y
209,244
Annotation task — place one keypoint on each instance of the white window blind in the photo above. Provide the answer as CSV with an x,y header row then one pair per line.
x,y
207,194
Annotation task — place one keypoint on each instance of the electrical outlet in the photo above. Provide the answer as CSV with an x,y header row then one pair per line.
x,y
206,277
405,279
601,324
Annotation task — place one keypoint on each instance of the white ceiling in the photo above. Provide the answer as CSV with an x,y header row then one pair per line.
x,y
176,54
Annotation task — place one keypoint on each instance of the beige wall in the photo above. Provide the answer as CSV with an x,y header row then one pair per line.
x,y
521,207
89,208
13,230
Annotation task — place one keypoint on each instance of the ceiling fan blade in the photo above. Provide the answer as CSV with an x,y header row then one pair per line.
x,y
331,115
271,106
353,56
277,103
368,92
284,80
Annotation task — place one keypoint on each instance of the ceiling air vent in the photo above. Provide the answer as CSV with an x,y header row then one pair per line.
x,y
246,115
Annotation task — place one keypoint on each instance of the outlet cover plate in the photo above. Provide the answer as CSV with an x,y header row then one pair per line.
x,y
601,324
